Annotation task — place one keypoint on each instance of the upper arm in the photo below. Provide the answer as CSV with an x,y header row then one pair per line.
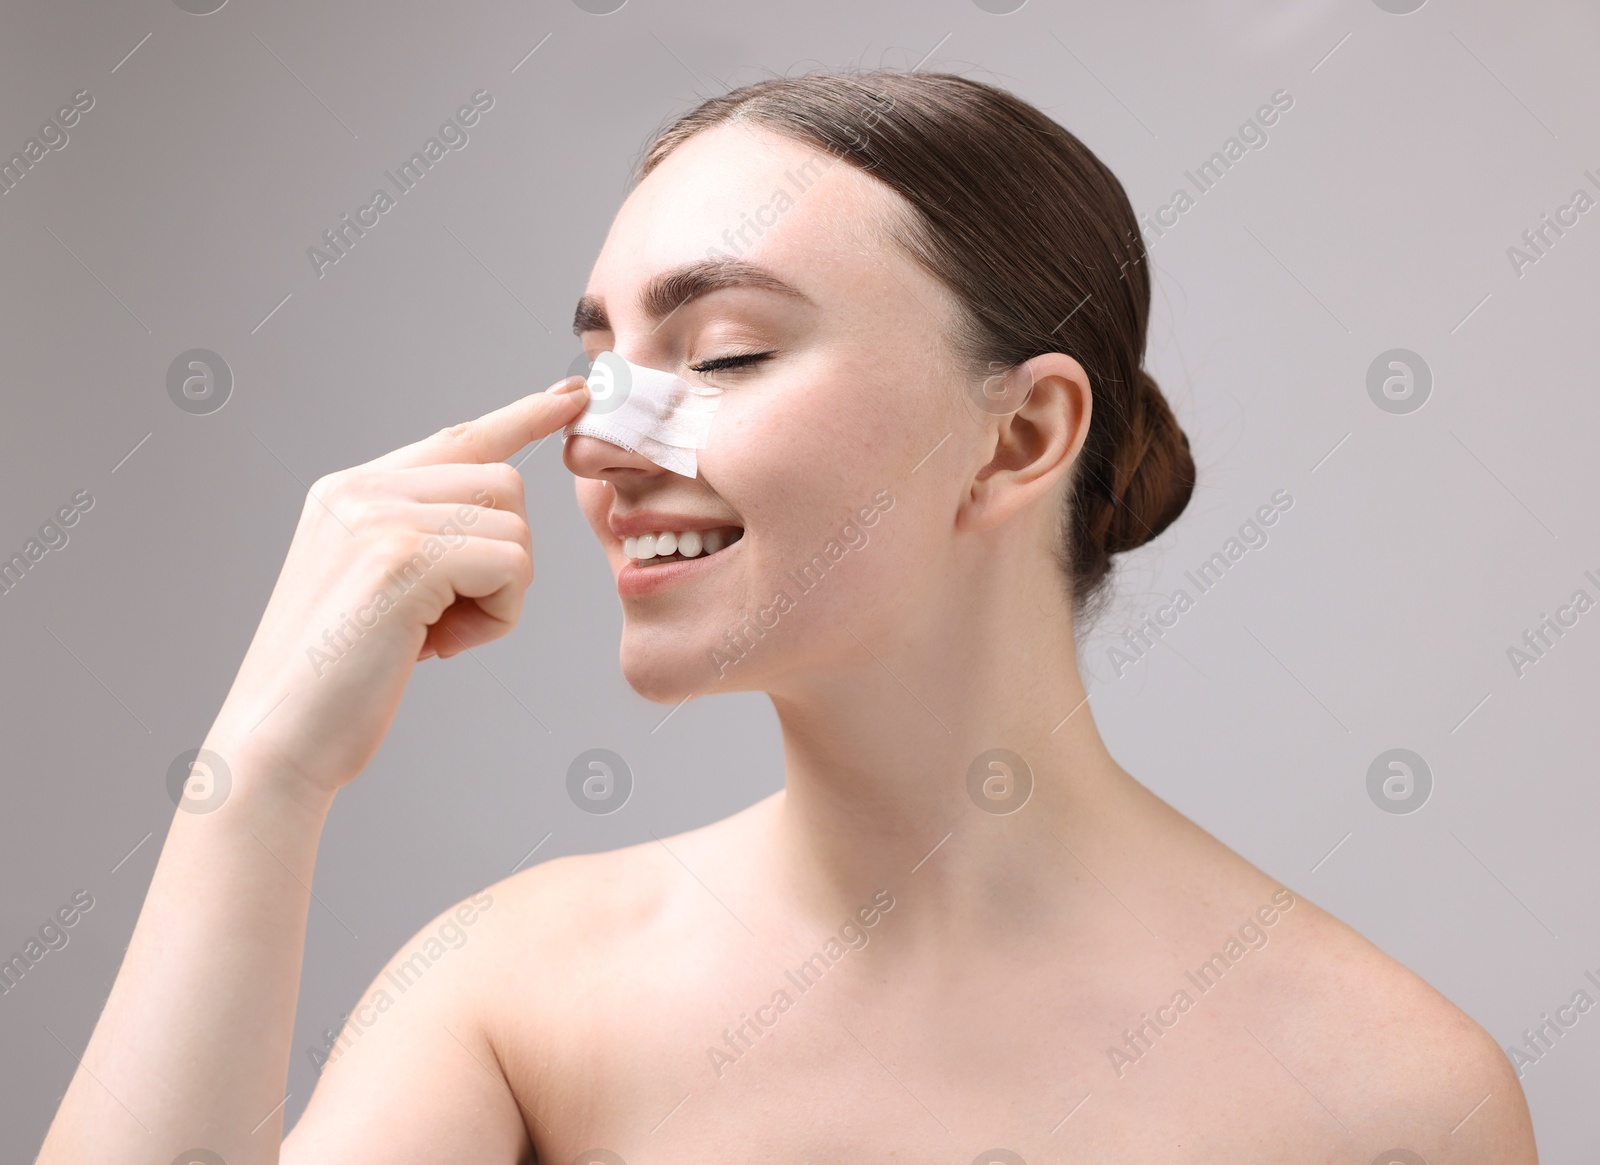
x,y
1424,1075
1391,1059
413,1078
1477,1113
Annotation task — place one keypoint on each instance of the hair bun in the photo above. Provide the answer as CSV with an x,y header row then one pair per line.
x,y
1153,475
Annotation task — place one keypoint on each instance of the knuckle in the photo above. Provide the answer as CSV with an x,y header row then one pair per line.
x,y
393,544
506,478
329,485
518,563
368,512
344,487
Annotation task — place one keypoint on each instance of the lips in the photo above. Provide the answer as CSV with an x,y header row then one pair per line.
x,y
642,578
693,543
639,522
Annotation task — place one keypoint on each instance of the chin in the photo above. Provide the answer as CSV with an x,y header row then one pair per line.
x,y
664,667
664,670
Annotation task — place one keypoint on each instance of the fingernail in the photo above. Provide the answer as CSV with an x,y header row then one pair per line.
x,y
570,384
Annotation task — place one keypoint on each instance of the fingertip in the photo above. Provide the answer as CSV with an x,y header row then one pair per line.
x,y
574,385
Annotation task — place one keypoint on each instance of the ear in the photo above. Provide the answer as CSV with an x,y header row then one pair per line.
x,y
1035,442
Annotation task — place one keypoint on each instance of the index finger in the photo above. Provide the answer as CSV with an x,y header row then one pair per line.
x,y
496,435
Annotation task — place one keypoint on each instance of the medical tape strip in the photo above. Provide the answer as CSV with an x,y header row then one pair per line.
x,y
647,411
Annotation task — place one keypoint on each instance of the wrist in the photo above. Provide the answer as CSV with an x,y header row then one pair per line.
x,y
232,767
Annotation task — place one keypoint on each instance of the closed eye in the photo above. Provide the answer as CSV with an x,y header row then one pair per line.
x,y
723,363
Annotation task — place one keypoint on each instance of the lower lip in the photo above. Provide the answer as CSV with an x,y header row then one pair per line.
x,y
634,579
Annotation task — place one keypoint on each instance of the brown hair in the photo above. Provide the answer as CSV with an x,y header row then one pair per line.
x,y
1035,238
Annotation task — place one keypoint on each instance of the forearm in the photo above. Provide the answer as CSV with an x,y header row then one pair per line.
x,y
192,1048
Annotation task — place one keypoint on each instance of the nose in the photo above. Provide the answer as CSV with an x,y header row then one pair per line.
x,y
599,459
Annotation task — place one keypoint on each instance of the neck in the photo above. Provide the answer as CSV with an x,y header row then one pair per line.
x,y
880,753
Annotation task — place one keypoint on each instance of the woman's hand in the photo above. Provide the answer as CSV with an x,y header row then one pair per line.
x,y
423,551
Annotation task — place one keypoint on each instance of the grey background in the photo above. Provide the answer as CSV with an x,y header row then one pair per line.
x,y
1419,548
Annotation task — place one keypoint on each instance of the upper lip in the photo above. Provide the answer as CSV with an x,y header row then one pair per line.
x,y
657,521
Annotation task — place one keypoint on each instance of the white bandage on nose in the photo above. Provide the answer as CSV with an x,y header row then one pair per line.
x,y
647,411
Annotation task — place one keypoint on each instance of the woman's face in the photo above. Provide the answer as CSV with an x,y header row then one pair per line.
x,y
826,450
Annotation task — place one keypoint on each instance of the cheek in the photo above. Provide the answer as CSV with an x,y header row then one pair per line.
x,y
798,471
816,445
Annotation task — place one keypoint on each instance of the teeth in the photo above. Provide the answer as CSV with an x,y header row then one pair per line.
x,y
689,543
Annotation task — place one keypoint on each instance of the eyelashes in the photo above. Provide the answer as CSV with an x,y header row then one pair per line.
x,y
728,363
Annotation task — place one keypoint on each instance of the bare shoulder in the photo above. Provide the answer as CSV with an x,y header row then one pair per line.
x,y
1401,1063
588,958
569,915
582,901
1366,1047
476,1000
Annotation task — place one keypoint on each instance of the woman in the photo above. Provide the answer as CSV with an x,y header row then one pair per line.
x,y
961,931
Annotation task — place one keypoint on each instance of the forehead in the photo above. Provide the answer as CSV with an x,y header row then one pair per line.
x,y
740,190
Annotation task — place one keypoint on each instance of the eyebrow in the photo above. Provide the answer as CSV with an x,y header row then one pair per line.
x,y
667,292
